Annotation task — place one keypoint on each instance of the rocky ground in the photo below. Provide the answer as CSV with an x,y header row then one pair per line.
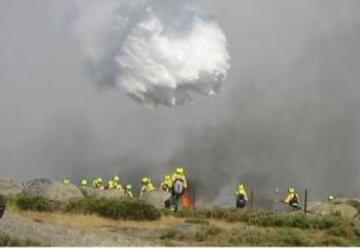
x,y
70,229
55,234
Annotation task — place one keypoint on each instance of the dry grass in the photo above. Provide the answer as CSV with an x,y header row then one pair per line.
x,y
91,221
216,232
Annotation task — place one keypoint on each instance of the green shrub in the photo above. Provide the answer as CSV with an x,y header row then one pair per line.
x,y
357,230
3,200
250,216
6,240
294,237
266,218
170,234
115,208
334,241
302,221
296,220
34,203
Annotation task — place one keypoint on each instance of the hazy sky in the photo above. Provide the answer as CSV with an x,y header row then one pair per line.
x,y
289,106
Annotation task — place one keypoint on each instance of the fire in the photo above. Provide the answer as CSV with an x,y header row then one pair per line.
x,y
187,201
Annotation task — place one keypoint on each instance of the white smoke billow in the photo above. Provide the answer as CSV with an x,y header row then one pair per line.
x,y
159,52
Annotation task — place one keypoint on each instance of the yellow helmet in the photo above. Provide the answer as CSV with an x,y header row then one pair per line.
x,y
167,177
128,186
241,186
180,171
145,180
291,190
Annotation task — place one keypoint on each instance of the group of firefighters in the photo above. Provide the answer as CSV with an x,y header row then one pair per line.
x,y
168,185
146,183
292,198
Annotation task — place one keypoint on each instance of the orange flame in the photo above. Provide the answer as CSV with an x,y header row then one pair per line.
x,y
187,201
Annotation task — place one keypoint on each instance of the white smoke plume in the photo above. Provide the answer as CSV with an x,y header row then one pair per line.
x,y
159,52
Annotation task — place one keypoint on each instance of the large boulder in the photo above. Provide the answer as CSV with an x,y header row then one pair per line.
x,y
89,191
53,191
156,198
9,187
340,207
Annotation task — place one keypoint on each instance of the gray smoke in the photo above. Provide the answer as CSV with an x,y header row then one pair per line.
x,y
288,112
289,124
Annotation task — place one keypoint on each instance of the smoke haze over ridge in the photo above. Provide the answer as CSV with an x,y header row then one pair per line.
x,y
288,113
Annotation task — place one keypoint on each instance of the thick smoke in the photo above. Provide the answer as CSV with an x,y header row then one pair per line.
x,y
303,132
293,117
289,113
159,52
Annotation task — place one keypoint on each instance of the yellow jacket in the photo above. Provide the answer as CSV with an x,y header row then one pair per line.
x,y
241,191
119,187
147,187
166,185
176,176
291,196
111,184
97,183
129,194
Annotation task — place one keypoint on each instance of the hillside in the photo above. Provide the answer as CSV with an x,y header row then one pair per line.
x,y
213,227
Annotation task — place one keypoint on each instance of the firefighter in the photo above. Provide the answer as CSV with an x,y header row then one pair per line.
x,y
128,193
117,184
66,181
179,175
116,179
331,198
95,183
98,183
178,187
292,198
241,196
146,185
111,185
166,185
84,182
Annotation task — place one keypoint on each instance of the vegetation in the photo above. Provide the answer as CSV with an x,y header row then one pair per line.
x,y
34,203
210,227
263,227
115,208
6,240
266,218
2,200
247,235
355,204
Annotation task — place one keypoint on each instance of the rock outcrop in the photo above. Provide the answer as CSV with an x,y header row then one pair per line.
x,y
54,191
51,234
89,191
156,198
343,207
9,187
